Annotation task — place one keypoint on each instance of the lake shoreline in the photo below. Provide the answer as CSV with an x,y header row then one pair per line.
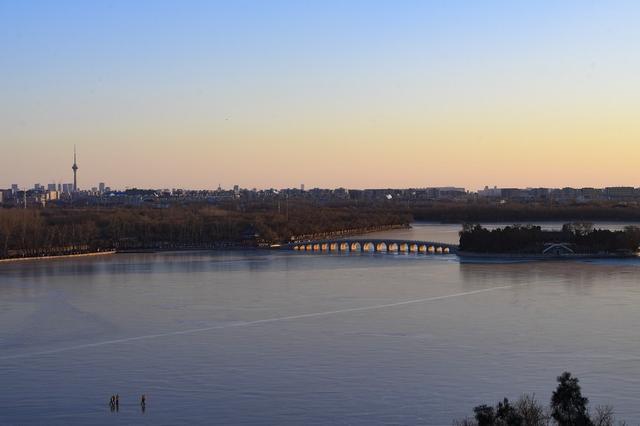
x,y
477,256
59,256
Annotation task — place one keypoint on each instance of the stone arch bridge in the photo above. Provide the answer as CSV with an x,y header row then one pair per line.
x,y
377,245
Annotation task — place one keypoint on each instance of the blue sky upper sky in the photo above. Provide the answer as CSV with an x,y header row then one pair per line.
x,y
326,93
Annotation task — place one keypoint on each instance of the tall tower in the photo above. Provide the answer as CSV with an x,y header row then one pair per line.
x,y
75,171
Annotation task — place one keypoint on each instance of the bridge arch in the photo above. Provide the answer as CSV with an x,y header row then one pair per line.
x,y
369,247
355,246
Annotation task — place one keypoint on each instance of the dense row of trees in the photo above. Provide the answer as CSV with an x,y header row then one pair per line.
x,y
582,237
51,231
35,232
473,212
568,407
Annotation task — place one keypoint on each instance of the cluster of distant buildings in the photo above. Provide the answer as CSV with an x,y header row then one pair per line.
x,y
58,193
572,195
40,195
68,194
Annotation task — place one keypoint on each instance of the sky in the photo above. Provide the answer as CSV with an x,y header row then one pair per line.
x,y
329,93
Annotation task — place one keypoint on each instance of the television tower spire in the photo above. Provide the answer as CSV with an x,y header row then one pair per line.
x,y
75,171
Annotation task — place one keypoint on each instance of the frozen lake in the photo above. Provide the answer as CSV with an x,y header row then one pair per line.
x,y
273,337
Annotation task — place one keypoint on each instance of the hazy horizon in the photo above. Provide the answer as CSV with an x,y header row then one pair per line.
x,y
90,185
360,95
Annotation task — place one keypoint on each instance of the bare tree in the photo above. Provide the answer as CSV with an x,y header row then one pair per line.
x,y
532,412
603,416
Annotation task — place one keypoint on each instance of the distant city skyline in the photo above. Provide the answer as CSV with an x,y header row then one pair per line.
x,y
330,94
73,186
102,195
101,186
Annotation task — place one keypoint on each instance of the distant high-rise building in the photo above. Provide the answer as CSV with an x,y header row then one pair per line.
x,y
37,186
75,171
14,188
494,192
51,187
101,187
302,187
620,192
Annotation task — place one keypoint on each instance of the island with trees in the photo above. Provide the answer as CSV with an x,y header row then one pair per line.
x,y
574,240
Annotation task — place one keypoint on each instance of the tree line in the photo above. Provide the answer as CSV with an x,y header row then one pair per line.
x,y
474,212
568,407
53,231
64,230
582,237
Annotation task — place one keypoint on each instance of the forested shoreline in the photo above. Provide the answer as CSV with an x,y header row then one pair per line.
x,y
51,232
580,238
450,212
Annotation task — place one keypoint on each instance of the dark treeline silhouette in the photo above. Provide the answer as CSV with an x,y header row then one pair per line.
x,y
567,408
68,230
581,237
472,212
56,231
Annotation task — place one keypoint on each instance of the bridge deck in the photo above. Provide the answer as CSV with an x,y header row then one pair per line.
x,y
377,244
